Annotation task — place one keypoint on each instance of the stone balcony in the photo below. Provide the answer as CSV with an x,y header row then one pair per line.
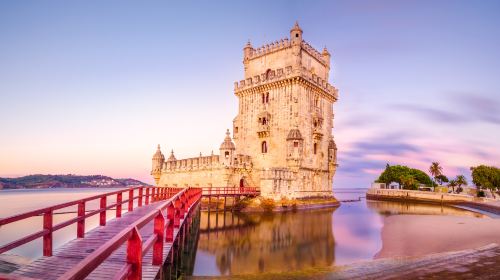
x,y
263,130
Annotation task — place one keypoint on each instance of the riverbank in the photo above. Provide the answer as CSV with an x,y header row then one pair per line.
x,y
479,203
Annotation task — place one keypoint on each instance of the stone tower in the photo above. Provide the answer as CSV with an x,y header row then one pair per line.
x,y
283,140
158,160
285,117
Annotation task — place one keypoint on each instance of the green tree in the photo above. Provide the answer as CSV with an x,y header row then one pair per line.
x,y
400,174
435,170
486,177
408,182
442,179
461,180
452,184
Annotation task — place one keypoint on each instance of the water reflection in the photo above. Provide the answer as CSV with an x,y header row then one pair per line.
x,y
387,208
254,243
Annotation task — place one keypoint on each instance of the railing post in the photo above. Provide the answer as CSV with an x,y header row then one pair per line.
x,y
102,219
153,194
47,237
134,255
80,225
170,226
147,196
139,202
118,205
159,230
177,215
131,200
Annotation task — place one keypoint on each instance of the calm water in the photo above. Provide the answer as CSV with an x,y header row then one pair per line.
x,y
245,243
256,243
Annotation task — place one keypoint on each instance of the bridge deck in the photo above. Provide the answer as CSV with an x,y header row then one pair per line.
x,y
71,253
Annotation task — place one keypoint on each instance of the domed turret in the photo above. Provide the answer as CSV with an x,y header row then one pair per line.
x,y
227,149
228,143
247,51
332,151
295,146
326,56
294,134
296,34
171,157
158,160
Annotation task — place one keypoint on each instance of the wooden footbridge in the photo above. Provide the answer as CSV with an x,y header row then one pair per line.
x,y
147,242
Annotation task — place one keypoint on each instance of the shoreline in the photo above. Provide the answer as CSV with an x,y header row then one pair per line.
x,y
458,201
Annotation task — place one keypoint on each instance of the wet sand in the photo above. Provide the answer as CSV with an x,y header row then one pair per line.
x,y
415,235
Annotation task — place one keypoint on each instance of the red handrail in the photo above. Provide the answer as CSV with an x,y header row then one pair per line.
x,y
177,207
208,191
48,227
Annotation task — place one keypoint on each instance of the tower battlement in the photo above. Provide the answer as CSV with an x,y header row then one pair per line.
x,y
281,75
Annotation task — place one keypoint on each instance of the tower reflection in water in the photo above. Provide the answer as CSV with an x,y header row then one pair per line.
x,y
253,243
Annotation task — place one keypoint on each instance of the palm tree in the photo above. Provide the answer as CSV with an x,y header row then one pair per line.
x,y
453,184
460,180
435,169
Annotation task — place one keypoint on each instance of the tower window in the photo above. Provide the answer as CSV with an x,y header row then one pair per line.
x,y
264,121
226,154
295,144
267,97
236,130
264,147
297,35
315,148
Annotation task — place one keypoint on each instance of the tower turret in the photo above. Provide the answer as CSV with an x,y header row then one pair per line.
x,y
296,34
326,57
158,160
227,149
296,41
295,147
247,51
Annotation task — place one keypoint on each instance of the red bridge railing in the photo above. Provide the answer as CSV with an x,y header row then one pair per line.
x,y
178,207
221,191
141,194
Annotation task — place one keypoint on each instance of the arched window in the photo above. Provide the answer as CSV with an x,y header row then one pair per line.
x,y
264,121
315,148
226,154
264,147
263,98
267,97
316,101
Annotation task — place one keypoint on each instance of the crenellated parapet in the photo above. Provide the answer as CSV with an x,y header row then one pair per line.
x,y
190,164
314,53
268,48
281,75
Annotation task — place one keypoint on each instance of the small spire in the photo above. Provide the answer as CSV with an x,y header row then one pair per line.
x,y
228,134
200,154
158,146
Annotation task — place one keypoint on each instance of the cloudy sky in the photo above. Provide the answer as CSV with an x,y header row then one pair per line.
x,y
90,87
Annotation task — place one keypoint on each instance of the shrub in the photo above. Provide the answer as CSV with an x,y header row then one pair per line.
x,y
267,204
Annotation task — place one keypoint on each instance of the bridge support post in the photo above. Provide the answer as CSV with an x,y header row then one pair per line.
x,y
47,238
159,231
139,200
170,226
80,226
130,200
134,255
147,196
119,205
102,215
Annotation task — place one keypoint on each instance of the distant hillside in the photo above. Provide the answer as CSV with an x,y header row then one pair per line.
x,y
65,181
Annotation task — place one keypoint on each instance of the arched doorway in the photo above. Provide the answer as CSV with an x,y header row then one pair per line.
x,y
242,184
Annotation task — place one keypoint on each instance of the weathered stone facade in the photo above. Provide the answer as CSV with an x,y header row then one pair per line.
x,y
282,133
